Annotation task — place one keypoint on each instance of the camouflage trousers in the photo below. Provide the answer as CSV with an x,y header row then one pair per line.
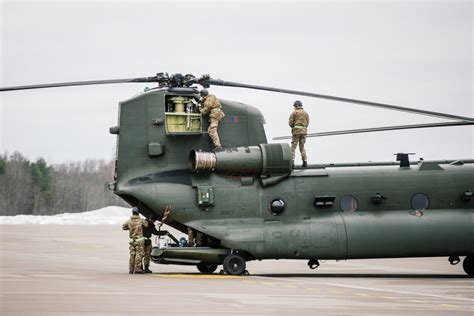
x,y
191,236
301,140
137,252
146,258
212,130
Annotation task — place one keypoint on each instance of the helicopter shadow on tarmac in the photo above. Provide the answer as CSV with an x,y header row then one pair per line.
x,y
365,275
320,275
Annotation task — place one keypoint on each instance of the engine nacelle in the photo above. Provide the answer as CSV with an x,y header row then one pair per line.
x,y
266,159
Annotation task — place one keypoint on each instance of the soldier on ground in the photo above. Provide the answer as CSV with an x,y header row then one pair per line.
x,y
196,238
137,242
211,106
147,232
191,236
299,121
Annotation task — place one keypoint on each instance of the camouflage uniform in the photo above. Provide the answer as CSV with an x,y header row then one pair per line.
x,y
299,121
147,232
135,227
212,107
196,238
191,236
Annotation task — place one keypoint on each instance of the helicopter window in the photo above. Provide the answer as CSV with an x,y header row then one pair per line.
x,y
420,201
277,206
348,204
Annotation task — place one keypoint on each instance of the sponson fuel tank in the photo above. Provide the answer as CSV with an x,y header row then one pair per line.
x,y
263,159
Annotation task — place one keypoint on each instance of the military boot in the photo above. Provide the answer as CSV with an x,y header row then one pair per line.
x,y
292,163
130,271
147,270
305,164
139,272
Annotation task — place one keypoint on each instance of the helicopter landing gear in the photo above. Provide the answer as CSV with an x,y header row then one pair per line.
x,y
234,264
454,260
206,268
468,265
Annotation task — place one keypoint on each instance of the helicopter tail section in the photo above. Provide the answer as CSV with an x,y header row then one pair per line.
x,y
156,131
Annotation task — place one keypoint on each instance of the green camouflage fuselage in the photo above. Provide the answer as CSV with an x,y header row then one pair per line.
x,y
239,214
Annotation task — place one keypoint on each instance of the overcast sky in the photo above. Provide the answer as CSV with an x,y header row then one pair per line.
x,y
399,52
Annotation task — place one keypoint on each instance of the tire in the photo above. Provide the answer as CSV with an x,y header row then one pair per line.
x,y
468,265
234,264
206,267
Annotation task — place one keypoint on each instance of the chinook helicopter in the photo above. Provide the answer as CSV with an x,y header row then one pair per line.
x,y
247,202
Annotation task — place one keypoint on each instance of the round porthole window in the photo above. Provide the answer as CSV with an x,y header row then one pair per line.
x,y
348,204
277,206
420,201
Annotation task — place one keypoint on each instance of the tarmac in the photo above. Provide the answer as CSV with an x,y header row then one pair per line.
x,y
77,270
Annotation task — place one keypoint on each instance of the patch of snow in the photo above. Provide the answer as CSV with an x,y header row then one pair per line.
x,y
111,215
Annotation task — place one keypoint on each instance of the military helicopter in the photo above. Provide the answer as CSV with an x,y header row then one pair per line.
x,y
247,202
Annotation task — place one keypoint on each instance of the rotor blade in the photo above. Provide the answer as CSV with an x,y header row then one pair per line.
x,y
380,129
79,83
223,83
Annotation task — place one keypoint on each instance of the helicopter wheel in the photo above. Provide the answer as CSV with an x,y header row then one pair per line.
x,y
468,265
206,267
234,264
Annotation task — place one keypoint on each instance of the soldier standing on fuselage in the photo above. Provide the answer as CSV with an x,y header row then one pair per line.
x,y
147,232
136,244
212,107
299,121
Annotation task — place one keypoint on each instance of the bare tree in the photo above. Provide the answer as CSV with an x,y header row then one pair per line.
x,y
36,188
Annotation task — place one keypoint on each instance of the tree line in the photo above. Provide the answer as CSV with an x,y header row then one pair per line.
x,y
34,187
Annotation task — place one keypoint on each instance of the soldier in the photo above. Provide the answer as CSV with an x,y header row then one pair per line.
x,y
299,121
147,232
191,236
136,244
212,107
196,238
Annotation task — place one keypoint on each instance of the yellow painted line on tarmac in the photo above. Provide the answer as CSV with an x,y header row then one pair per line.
x,y
267,283
448,305
389,297
290,286
196,276
417,301
362,294
337,292
248,281
311,289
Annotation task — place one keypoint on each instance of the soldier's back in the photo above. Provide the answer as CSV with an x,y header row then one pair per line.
x,y
301,117
135,226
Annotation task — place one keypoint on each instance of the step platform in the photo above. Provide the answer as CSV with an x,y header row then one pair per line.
x,y
189,255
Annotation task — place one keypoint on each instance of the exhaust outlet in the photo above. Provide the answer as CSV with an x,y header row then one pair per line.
x,y
264,159
202,161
